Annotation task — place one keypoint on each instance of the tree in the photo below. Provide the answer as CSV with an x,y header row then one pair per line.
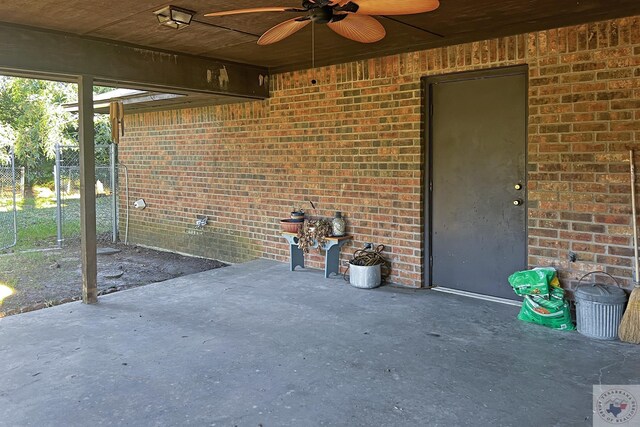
x,y
33,121
33,110
7,138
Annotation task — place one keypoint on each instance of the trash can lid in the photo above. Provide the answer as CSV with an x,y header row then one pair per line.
x,y
601,293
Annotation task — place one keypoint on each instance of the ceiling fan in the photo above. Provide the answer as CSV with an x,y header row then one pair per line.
x,y
349,18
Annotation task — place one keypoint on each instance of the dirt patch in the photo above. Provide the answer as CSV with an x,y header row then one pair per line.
x,y
45,278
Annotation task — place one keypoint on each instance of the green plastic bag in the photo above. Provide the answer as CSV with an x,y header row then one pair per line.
x,y
557,294
553,313
544,302
553,302
532,282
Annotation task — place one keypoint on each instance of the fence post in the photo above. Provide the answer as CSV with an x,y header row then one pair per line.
x,y
56,173
13,182
23,182
114,204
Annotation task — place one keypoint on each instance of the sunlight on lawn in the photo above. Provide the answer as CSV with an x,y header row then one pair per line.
x,y
6,203
5,291
45,197
36,216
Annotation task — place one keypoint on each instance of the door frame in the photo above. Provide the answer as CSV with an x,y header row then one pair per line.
x,y
427,83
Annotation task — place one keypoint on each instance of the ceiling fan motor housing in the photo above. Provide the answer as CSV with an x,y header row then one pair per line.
x,y
321,15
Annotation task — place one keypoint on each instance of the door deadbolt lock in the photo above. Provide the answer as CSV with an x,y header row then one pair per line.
x,y
518,186
517,202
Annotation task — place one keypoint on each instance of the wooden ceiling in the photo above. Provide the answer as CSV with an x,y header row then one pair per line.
x,y
234,37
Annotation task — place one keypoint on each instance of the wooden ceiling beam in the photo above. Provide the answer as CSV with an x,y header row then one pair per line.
x,y
47,54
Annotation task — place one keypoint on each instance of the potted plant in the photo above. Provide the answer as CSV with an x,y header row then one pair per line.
x,y
297,214
293,224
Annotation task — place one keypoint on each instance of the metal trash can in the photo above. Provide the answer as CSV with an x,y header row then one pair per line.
x,y
365,276
599,309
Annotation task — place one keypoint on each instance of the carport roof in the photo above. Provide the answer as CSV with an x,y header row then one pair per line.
x,y
233,38
136,101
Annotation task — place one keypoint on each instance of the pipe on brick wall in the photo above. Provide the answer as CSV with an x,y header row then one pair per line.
x,y
126,190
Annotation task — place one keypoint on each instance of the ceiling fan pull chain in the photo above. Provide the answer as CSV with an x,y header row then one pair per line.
x,y
313,52
313,45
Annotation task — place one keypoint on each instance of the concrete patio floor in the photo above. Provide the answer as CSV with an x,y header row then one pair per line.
x,y
255,344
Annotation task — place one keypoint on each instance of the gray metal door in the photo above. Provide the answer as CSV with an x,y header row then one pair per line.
x,y
478,195
8,225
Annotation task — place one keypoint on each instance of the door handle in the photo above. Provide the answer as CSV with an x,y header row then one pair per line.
x,y
517,202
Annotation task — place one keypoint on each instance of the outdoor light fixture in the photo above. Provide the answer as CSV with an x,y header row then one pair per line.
x,y
174,17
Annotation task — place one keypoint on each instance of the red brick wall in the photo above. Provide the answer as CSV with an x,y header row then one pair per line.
x,y
353,143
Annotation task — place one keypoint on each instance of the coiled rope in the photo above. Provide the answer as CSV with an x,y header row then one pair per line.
x,y
368,257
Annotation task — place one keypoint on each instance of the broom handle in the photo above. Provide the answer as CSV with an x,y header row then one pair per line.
x,y
633,208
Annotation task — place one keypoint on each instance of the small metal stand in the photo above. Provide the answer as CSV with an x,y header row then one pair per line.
x,y
331,248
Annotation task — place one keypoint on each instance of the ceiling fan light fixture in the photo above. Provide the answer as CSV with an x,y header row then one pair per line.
x,y
174,17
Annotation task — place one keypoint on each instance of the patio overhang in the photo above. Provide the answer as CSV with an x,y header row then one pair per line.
x,y
138,101
233,38
48,54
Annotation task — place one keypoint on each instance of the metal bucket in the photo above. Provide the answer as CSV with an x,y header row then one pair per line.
x,y
365,276
599,309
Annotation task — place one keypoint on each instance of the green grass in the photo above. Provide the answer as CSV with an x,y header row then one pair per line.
x,y
36,219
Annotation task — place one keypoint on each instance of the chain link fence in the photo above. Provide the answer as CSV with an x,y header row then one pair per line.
x,y
68,193
8,196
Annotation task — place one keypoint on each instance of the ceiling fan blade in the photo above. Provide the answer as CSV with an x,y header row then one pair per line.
x,y
254,10
391,7
361,28
282,31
